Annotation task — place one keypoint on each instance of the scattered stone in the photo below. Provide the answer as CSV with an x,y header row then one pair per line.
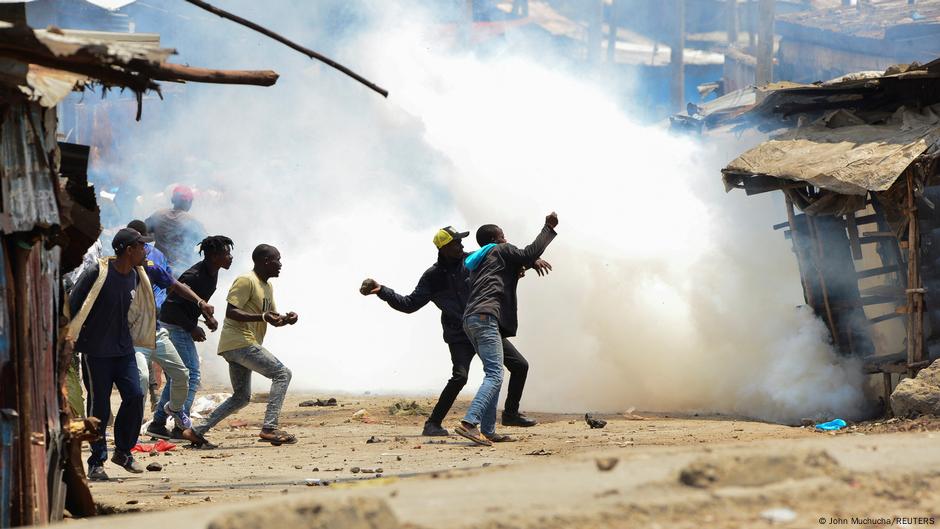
x,y
359,414
166,497
354,470
594,423
605,464
131,502
539,452
165,480
207,498
155,467
405,408
373,440
919,395
778,515
316,469
398,458
315,482
298,467
486,464
317,402
807,422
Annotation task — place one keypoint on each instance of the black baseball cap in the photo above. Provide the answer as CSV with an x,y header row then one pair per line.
x,y
127,237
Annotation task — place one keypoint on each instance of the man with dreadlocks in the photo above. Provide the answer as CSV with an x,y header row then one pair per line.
x,y
180,317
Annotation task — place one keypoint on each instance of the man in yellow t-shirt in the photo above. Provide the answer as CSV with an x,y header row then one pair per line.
x,y
250,309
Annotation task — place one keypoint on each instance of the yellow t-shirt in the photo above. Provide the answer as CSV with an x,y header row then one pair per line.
x,y
250,294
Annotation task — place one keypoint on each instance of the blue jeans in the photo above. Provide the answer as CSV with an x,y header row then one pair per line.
x,y
241,363
186,348
483,331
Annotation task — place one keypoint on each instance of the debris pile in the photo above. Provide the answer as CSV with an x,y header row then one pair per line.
x,y
919,395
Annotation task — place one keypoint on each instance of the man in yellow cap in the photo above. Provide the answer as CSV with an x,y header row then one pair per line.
x,y
446,284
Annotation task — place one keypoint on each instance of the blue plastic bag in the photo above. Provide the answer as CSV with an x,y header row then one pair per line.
x,y
835,424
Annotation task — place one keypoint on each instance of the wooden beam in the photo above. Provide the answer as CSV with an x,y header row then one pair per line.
x,y
676,58
765,42
881,270
177,72
915,296
884,317
852,228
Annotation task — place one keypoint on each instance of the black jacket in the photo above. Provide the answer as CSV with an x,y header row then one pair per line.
x,y
444,284
493,281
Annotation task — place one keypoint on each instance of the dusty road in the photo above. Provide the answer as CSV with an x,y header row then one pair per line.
x,y
669,472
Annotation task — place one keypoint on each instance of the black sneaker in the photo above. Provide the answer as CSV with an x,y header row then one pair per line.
x,y
517,419
128,463
97,473
434,430
158,431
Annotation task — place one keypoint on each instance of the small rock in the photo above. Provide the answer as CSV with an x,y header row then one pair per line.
x,y
374,439
807,422
354,470
605,464
131,502
166,497
315,469
594,423
155,467
165,480
298,467
207,498
398,458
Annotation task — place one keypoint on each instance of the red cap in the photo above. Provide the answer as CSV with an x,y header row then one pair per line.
x,y
182,192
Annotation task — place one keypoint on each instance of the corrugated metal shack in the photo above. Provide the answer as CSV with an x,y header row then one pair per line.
x,y
858,161
869,36
48,218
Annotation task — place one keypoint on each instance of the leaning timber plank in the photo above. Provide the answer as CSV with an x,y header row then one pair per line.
x,y
880,234
852,228
872,272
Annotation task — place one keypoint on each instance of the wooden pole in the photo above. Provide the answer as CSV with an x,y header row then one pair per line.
x,y
915,294
676,58
595,29
732,11
612,33
289,43
177,72
765,43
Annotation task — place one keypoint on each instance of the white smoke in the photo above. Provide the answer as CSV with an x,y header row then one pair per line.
x,y
667,294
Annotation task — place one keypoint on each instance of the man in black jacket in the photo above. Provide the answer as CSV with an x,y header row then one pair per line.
x,y
445,284
490,316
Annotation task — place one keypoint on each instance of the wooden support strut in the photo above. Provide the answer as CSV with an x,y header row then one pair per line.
x,y
915,296
852,228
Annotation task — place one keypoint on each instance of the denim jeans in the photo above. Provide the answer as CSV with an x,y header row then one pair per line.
x,y
241,363
483,331
186,348
177,375
101,374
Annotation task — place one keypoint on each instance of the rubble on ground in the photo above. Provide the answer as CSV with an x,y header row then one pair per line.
x,y
919,395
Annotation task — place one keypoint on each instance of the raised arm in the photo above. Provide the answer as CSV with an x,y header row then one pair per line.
x,y
527,256
407,304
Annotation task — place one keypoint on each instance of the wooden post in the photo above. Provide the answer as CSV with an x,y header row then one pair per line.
x,y
765,43
915,294
612,33
814,233
676,59
595,29
732,11
22,356
886,377
795,238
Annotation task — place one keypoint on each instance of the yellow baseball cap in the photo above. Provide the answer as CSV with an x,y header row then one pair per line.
x,y
444,235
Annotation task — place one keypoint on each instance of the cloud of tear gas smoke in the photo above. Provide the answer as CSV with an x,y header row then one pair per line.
x,y
667,293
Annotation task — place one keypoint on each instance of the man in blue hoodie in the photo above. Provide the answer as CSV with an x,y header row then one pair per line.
x,y
490,316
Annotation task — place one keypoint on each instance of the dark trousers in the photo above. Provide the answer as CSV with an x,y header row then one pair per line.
x,y
100,376
461,354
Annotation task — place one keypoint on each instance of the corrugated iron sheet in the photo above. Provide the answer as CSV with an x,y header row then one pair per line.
x,y
849,160
27,188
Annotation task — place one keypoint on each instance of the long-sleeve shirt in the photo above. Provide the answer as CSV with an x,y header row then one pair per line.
x,y
444,284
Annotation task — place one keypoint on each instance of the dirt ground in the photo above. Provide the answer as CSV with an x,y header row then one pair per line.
x,y
668,471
